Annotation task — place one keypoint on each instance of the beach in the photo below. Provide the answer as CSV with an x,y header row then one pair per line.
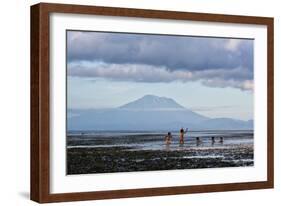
x,y
108,152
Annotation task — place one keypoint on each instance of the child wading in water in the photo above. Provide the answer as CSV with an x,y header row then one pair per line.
x,y
182,132
168,138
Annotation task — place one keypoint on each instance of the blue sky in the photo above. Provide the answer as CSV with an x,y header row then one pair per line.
x,y
212,76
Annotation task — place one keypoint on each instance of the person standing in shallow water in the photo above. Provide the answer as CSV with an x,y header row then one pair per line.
x,y
182,132
213,140
168,138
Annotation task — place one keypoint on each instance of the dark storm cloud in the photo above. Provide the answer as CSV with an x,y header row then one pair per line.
x,y
157,58
174,52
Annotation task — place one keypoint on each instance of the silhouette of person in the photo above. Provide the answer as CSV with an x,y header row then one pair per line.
x,y
198,141
221,140
213,140
182,132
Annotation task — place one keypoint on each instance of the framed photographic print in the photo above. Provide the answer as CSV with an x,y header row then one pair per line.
x,y
132,102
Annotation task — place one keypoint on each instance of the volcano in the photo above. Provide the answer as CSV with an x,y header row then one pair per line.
x,y
149,112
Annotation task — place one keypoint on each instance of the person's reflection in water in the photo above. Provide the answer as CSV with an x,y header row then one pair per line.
x,y
167,147
181,147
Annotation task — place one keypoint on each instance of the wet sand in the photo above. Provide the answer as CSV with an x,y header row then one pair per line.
x,y
126,159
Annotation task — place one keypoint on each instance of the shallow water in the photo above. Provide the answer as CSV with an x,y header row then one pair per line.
x,y
155,140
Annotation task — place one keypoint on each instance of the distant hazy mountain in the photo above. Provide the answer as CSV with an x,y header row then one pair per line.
x,y
151,102
148,113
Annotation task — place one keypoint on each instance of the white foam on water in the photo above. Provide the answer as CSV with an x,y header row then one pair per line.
x,y
202,157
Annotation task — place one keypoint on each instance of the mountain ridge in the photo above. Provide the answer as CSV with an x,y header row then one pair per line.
x,y
149,112
152,102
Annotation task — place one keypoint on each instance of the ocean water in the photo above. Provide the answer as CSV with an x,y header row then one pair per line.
x,y
144,140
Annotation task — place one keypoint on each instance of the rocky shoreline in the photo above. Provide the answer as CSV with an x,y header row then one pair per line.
x,y
126,159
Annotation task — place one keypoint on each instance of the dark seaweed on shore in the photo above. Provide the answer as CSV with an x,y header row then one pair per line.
x,y
125,159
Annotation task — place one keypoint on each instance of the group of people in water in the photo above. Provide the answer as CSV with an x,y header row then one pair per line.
x,y
168,138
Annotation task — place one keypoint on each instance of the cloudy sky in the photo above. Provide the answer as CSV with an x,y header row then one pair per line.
x,y
212,76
